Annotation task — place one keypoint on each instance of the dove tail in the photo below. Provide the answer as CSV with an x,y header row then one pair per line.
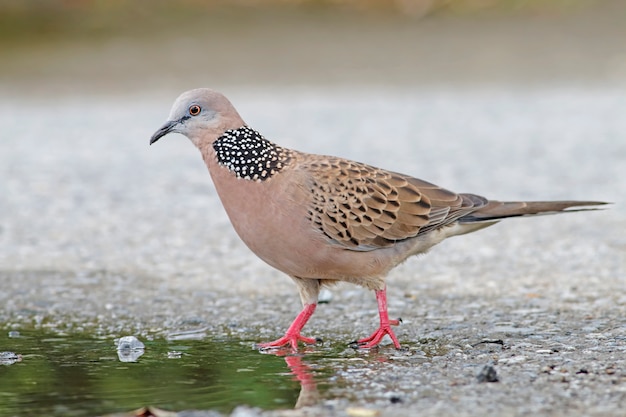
x,y
496,210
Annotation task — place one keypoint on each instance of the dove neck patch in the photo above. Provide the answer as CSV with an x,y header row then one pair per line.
x,y
250,156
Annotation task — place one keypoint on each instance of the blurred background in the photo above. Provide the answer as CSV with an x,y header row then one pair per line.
x,y
77,46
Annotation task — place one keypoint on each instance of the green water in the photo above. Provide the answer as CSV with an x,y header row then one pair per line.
x,y
81,375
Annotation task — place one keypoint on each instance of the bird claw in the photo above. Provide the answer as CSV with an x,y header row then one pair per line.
x,y
377,336
291,340
396,322
356,344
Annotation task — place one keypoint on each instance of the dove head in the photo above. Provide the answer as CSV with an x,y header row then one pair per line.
x,y
202,115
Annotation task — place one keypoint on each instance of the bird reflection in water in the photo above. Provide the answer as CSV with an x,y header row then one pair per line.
x,y
301,372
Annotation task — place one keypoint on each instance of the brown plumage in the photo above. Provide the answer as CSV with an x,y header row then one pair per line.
x,y
323,219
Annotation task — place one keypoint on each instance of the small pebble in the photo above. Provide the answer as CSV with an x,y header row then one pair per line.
x,y
129,349
129,343
487,374
9,358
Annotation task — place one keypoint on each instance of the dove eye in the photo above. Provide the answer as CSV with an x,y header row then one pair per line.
x,y
194,110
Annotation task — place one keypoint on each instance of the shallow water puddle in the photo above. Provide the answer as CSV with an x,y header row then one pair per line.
x,y
83,375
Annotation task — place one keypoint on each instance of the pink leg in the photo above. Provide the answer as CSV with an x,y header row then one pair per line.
x,y
292,336
385,324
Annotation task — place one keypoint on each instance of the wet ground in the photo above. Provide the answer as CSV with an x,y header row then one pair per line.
x,y
74,374
102,236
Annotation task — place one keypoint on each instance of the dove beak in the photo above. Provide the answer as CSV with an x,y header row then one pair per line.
x,y
163,130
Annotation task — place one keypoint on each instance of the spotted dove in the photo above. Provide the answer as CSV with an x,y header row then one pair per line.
x,y
324,219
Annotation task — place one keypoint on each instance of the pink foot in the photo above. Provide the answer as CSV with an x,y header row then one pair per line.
x,y
293,336
377,336
385,325
288,339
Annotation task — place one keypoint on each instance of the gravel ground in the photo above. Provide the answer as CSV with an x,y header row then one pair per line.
x,y
100,231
